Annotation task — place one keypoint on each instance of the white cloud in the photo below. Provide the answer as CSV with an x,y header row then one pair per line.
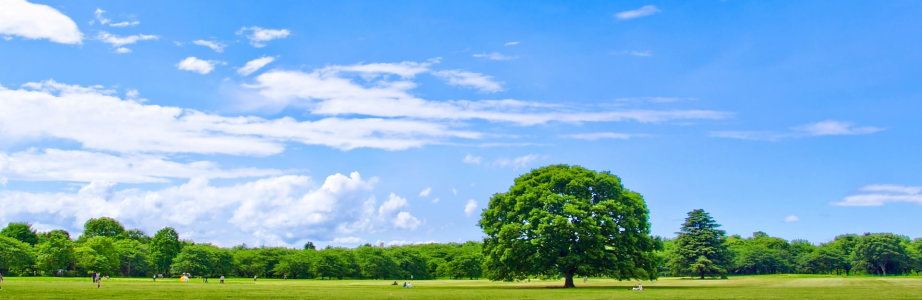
x,y
97,119
823,128
254,65
495,56
478,81
472,159
369,90
405,220
275,211
646,10
470,207
791,219
347,240
436,200
258,36
512,43
194,64
425,192
85,166
214,45
122,50
119,41
454,191
643,53
37,21
599,136
105,21
517,162
880,194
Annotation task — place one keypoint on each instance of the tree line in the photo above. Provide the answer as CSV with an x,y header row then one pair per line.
x,y
108,248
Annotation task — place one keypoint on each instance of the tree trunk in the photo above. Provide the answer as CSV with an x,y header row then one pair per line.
x,y
702,275
883,269
568,283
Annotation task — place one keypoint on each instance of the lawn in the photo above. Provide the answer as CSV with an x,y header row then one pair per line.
x,y
742,287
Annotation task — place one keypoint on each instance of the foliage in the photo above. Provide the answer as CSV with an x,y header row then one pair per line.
x,y
567,220
699,248
15,255
20,231
163,248
879,253
103,226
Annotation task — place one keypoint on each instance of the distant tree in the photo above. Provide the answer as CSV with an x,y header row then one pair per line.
x,y
845,245
296,264
824,259
203,260
309,246
14,255
54,234
335,262
54,252
163,248
98,254
133,257
22,232
566,221
374,263
700,248
103,226
136,235
879,253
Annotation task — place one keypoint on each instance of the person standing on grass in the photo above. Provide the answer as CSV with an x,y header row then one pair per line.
x,y
254,278
222,279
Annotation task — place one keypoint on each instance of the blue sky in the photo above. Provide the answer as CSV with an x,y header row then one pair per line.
x,y
394,122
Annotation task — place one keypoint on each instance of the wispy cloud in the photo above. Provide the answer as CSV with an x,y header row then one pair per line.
x,y
255,65
37,21
425,192
481,82
599,136
470,207
791,219
119,41
258,36
472,159
880,194
823,128
646,10
512,43
105,21
517,162
495,56
640,53
213,45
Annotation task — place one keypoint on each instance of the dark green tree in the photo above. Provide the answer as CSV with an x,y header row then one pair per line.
x,y
103,226
15,255
20,231
203,260
566,221
133,257
163,248
879,253
309,246
54,252
699,248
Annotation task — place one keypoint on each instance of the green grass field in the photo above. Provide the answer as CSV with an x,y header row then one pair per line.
x,y
743,287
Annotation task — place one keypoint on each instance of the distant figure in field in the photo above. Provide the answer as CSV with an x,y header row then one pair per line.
x,y
1,281
155,277
395,282
639,287
254,277
222,279
98,280
404,284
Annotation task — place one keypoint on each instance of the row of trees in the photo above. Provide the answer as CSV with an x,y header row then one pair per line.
x,y
702,249
108,248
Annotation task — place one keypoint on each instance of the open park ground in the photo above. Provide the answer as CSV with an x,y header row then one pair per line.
x,y
741,287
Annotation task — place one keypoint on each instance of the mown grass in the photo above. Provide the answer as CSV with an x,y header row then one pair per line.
x,y
742,287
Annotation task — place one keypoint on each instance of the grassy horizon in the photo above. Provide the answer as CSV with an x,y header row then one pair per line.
x,y
736,287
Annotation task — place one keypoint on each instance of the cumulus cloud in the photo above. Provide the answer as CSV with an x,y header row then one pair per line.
x,y
36,21
122,50
384,90
470,207
495,56
213,45
643,11
275,211
97,119
405,220
481,82
258,36
86,166
791,219
254,65
823,128
194,64
880,194
425,192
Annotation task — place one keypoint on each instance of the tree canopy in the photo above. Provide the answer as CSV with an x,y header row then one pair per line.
x,y
567,220
700,248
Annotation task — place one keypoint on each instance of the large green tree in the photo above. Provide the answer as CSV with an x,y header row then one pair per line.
x,y
15,255
20,231
567,220
103,226
700,248
163,248
880,253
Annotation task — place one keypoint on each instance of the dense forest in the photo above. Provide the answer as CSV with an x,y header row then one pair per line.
x,y
107,247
